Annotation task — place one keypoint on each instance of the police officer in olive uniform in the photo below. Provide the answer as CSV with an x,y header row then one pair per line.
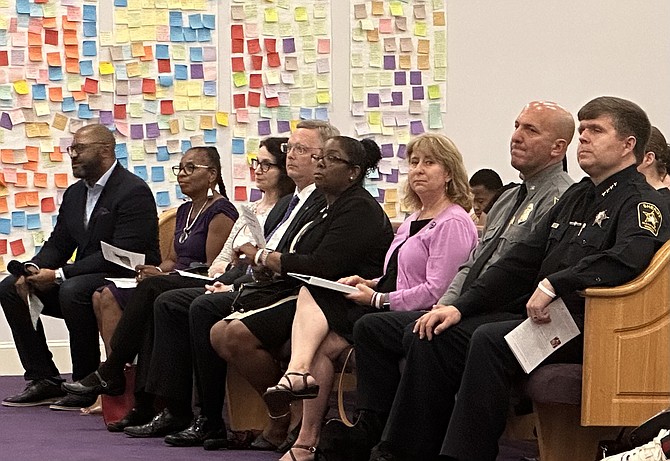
x,y
603,232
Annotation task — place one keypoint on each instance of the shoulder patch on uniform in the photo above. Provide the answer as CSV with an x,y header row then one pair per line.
x,y
649,217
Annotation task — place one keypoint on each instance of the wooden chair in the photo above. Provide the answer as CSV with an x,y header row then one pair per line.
x,y
625,378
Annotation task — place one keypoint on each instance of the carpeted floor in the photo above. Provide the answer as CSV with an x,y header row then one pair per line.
x,y
41,434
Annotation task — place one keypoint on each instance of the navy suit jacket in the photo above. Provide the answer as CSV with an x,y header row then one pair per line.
x,y
124,216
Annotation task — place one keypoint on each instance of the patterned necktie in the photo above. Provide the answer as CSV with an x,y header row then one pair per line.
x,y
483,258
291,206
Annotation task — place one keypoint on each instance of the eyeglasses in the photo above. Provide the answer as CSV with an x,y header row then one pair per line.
x,y
263,166
81,147
188,169
329,159
297,148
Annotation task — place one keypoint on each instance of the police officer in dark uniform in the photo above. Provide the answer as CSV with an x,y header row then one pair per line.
x,y
602,232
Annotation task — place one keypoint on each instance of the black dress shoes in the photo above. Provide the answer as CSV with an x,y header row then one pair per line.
x,y
134,417
37,392
200,431
73,402
163,424
95,384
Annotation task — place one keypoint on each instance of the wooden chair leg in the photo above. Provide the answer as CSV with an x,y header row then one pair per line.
x,y
561,437
246,409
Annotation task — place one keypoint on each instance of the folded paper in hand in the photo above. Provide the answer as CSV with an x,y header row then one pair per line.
x,y
533,342
253,225
35,307
123,258
319,282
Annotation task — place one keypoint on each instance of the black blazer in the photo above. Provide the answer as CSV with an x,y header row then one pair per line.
x,y
349,237
124,216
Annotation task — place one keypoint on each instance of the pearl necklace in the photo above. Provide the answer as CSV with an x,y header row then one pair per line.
x,y
187,228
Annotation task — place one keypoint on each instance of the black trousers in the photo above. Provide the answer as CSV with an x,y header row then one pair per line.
x,y
378,340
70,301
426,394
134,334
183,319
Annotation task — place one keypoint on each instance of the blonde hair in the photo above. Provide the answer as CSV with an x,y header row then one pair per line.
x,y
446,153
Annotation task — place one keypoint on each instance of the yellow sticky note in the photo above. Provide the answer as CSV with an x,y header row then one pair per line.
x,y
391,196
271,15
222,118
434,92
300,13
206,122
323,97
420,29
174,126
21,87
390,210
106,68
240,79
396,8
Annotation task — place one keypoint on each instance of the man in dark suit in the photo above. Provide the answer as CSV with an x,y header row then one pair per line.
x,y
108,204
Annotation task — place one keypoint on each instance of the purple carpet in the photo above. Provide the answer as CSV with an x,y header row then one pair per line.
x,y
41,434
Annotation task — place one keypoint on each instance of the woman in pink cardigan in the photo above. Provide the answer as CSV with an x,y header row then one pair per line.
x,y
420,264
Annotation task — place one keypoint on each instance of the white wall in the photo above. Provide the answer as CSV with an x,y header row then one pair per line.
x,y
500,56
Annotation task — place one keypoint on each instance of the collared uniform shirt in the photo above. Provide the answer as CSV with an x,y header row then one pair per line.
x,y
602,235
544,190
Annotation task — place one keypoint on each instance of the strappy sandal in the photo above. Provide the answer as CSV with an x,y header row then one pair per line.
x,y
278,398
312,450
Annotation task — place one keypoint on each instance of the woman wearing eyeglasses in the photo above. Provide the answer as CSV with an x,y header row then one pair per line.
x,y
269,168
420,264
202,226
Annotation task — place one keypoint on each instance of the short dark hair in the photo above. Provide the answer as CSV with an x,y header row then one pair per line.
x,y
659,146
273,145
487,178
627,117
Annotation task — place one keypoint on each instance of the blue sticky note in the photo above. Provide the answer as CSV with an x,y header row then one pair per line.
x,y
23,6
55,73
204,35
190,35
176,18
123,162
209,21
121,150
165,80
141,171
195,21
33,221
89,48
176,34
306,113
89,13
90,29
39,92
185,145
54,219
6,226
237,146
84,111
3,38
209,88
36,11
210,136
162,155
157,174
180,72
196,54
120,2
68,104
162,51
163,198
86,68
180,195
18,219
321,113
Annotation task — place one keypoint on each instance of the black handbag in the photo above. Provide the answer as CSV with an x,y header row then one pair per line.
x,y
254,295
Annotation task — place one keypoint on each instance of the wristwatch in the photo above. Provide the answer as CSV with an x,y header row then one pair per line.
x,y
58,276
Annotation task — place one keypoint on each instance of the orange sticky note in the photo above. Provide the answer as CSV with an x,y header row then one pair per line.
x,y
72,65
20,200
48,205
32,198
53,59
21,179
3,205
240,193
3,247
79,95
7,155
35,53
34,39
148,54
49,23
72,51
56,155
137,49
55,94
148,85
31,166
17,247
90,85
167,108
70,37
61,181
40,179
33,153
68,25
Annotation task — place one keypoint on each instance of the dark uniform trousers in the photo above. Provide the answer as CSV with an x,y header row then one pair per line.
x,y
183,319
134,335
70,301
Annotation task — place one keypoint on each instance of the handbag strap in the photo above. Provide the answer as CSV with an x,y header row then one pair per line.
x,y
340,391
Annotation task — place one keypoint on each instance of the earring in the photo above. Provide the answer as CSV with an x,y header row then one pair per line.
x,y
351,178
